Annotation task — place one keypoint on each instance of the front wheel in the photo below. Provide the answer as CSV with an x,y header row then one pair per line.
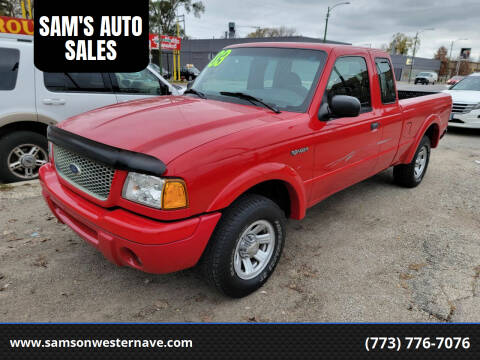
x,y
22,154
411,175
245,247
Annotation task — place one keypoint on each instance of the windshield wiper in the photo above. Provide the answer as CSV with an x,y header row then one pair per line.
x,y
250,98
196,92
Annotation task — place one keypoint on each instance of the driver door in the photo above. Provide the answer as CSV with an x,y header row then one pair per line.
x,y
346,149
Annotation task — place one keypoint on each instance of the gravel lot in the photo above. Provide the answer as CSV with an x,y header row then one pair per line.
x,y
374,252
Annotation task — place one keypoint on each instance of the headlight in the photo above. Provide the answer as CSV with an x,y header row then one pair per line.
x,y
477,106
155,192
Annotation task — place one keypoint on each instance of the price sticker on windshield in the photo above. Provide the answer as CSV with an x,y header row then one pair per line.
x,y
217,60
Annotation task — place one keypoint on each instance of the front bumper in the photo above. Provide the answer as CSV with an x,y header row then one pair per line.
x,y
470,120
125,238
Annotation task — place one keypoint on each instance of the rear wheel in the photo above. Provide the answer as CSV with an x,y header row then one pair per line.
x,y
22,154
411,175
245,247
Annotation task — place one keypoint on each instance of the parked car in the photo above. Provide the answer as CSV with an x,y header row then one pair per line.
x,y
426,78
30,100
454,79
210,178
189,73
466,102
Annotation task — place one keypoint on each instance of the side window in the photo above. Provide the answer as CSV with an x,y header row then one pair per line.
x,y
385,78
350,77
142,82
9,60
75,82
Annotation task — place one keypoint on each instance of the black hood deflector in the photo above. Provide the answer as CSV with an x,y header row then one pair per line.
x,y
111,156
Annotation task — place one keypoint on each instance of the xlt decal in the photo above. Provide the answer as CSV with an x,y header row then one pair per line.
x,y
299,151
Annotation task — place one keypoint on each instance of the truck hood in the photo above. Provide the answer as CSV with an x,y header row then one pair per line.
x,y
464,96
165,127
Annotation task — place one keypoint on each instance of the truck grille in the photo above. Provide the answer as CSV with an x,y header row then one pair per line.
x,y
84,173
459,108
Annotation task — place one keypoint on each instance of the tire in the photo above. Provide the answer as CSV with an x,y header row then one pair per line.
x,y
12,145
224,262
411,175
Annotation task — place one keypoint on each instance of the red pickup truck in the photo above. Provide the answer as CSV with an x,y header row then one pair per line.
x,y
266,131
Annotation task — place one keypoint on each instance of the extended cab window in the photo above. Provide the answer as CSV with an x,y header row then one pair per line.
x,y
9,59
142,82
385,78
75,82
350,77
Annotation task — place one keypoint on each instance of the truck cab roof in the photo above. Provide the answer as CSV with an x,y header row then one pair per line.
x,y
307,45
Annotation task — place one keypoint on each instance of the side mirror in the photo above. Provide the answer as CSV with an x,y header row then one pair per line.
x,y
189,85
339,106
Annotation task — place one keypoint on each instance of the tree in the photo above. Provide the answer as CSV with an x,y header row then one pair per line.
x,y
6,8
163,14
12,8
441,55
401,44
273,32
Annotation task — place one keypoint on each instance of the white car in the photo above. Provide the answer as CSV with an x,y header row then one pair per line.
x,y
30,100
426,78
466,103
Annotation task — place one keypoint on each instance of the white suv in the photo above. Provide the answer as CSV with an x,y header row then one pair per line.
x,y
30,100
466,102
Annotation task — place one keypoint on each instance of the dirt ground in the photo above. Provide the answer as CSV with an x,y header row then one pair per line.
x,y
374,252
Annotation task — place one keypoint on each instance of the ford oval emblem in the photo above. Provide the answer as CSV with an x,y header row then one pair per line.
x,y
75,169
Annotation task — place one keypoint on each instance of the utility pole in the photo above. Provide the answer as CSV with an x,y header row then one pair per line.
x,y
459,62
328,15
326,25
413,57
414,50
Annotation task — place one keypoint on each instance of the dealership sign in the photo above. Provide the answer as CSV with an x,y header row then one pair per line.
x,y
168,42
16,26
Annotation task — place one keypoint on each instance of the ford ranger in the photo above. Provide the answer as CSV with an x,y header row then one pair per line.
x,y
209,178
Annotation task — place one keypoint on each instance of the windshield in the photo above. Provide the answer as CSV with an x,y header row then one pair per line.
x,y
285,78
469,83
424,74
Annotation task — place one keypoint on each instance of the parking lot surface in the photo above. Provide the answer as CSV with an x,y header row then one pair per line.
x,y
373,252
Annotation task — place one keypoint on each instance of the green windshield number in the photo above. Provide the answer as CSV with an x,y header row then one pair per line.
x,y
217,60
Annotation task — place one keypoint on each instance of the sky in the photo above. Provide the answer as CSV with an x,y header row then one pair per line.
x,y
362,22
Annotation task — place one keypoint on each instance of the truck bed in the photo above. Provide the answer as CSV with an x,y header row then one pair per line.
x,y
407,94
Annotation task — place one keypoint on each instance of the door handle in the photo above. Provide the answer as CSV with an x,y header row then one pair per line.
x,y
374,126
54,101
